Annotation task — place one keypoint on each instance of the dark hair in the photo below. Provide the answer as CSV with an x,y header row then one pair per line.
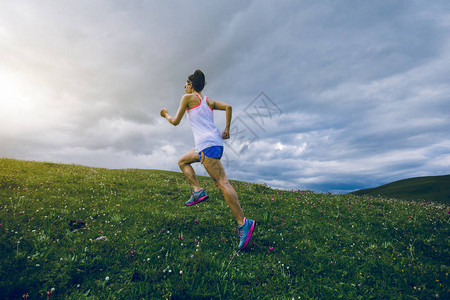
x,y
198,80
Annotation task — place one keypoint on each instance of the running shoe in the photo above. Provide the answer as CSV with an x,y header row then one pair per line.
x,y
197,197
245,232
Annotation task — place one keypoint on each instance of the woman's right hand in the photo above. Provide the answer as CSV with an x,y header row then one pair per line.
x,y
164,112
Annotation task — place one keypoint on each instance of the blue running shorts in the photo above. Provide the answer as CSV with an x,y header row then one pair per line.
x,y
211,152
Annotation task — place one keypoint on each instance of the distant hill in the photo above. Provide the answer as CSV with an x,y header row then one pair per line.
x,y
431,188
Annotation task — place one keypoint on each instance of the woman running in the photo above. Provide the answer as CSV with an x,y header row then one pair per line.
x,y
208,149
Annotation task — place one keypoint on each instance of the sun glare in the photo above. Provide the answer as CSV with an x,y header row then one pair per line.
x,y
18,101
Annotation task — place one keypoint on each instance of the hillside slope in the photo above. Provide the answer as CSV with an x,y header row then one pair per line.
x,y
431,188
74,232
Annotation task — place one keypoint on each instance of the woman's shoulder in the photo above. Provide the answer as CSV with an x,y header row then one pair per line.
x,y
210,102
190,100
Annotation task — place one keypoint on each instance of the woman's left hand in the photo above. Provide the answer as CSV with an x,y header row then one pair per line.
x,y
226,134
164,112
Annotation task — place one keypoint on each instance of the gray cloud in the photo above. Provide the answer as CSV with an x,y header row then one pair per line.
x,y
362,87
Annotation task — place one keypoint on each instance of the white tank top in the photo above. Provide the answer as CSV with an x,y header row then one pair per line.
x,y
206,134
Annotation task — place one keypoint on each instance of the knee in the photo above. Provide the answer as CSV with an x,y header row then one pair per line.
x,y
216,183
222,184
181,162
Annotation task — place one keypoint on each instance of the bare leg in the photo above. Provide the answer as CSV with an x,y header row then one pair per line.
x,y
215,169
184,162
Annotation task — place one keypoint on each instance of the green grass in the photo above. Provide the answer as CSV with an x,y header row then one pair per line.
x,y
141,242
431,188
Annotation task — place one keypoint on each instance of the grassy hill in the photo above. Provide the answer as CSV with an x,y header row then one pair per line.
x,y
432,188
74,232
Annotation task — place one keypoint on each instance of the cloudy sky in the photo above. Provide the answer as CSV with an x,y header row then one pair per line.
x,y
330,96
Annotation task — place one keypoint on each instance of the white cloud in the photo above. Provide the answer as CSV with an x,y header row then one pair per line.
x,y
363,91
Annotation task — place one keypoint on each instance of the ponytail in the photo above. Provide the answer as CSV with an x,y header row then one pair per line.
x,y
198,80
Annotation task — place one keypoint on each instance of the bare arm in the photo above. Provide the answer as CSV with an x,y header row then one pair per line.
x,y
229,114
180,113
